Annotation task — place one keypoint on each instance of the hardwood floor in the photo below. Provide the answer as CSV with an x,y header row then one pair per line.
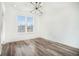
x,y
38,47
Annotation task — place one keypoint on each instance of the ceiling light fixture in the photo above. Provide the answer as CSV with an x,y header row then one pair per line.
x,y
36,8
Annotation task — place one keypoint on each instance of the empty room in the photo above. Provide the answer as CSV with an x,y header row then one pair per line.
x,y
39,28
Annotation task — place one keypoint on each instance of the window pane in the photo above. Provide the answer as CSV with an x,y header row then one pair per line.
x,y
29,24
21,28
21,23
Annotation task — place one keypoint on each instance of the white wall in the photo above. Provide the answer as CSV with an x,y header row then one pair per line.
x,y
11,25
0,25
1,21
0,28
59,23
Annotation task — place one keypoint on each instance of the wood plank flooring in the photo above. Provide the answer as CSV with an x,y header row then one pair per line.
x,y
38,47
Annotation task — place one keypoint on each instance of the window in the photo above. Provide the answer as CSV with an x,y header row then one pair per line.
x,y
21,23
29,24
25,23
